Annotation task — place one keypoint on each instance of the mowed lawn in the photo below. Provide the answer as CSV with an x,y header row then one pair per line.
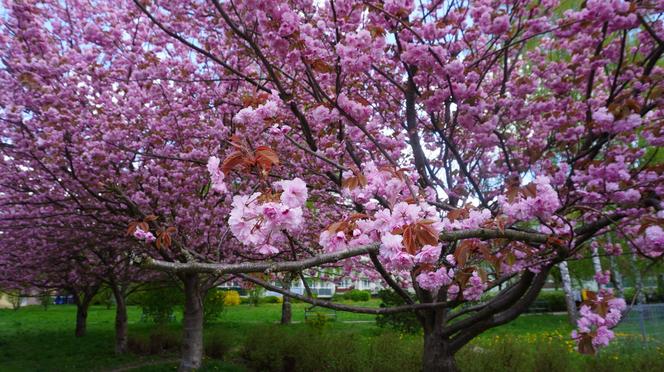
x,y
32,339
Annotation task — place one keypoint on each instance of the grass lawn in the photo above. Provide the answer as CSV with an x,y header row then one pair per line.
x,y
32,339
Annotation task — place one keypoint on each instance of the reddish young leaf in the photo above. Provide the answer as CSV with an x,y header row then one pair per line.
x,y
234,160
410,240
265,158
354,182
586,345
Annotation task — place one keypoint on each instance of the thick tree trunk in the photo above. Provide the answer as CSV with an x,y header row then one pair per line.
x,y
120,321
286,308
569,294
192,324
436,356
286,311
82,318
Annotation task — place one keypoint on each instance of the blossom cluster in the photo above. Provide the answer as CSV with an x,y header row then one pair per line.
x,y
377,181
598,315
652,241
146,236
543,204
259,220
432,281
216,175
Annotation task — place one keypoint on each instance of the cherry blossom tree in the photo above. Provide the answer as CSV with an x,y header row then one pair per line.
x,y
461,158
34,266
70,165
446,147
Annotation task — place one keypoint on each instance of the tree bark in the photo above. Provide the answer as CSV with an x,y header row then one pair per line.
x,y
569,294
597,266
192,323
436,356
120,321
286,308
640,297
81,318
616,278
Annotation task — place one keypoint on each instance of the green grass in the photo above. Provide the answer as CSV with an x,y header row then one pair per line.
x,y
32,339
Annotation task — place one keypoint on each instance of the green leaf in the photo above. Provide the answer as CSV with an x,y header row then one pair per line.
x,y
205,189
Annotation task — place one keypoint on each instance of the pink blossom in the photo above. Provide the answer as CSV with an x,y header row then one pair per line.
x,y
429,254
391,245
597,326
268,250
602,337
474,288
542,205
332,241
433,280
146,236
603,278
216,175
294,192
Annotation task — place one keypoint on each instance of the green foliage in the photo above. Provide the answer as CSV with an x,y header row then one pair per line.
x,y
271,300
515,354
357,295
104,297
405,322
216,345
45,299
552,300
342,347
286,349
158,302
255,295
394,352
14,298
157,341
317,321
213,304
652,295
659,292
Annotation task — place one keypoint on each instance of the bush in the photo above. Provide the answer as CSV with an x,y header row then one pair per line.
x,y
231,298
554,300
274,348
272,300
255,295
213,304
158,302
393,352
659,292
104,297
300,349
318,321
45,300
405,322
515,354
357,295
216,346
157,341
